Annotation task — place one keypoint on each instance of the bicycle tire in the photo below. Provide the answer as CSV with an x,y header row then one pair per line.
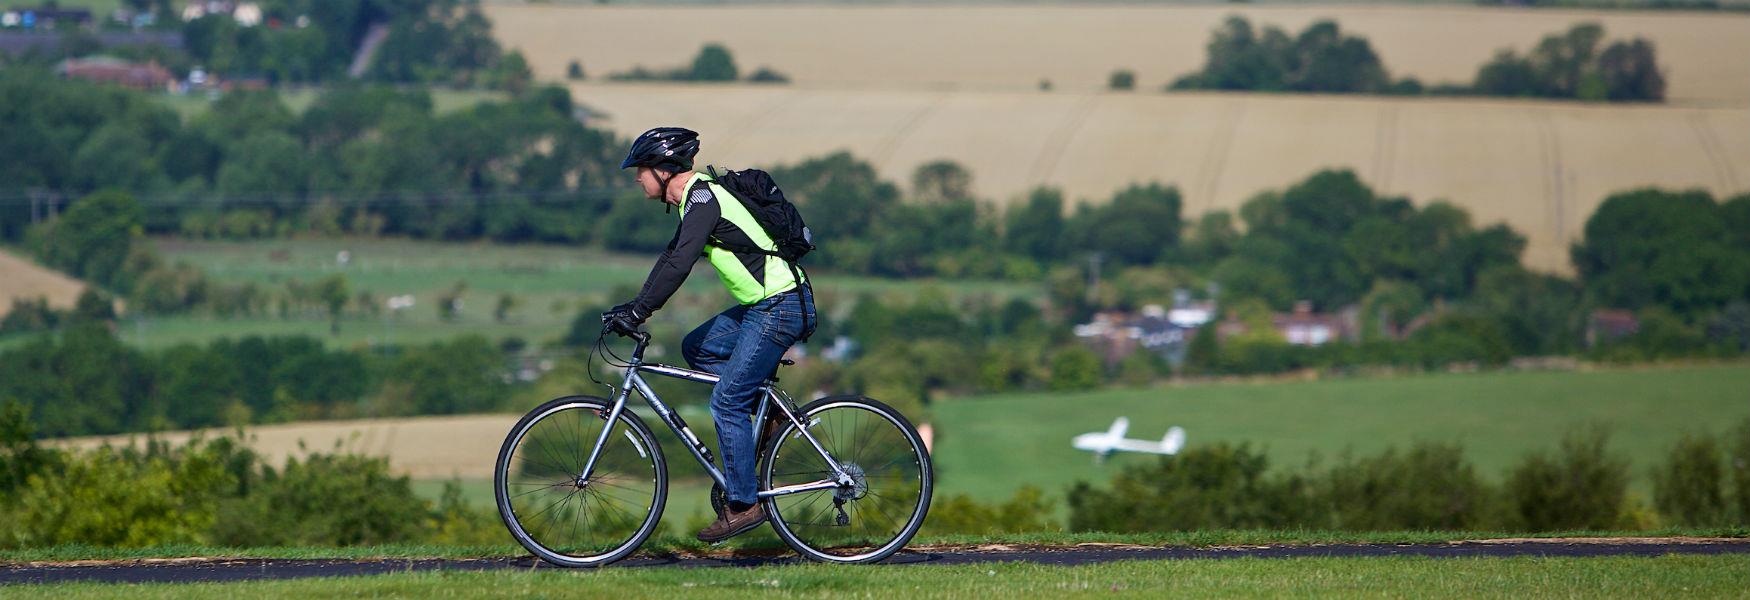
x,y
799,519
617,478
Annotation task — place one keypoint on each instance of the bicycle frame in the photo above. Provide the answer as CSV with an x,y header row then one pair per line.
x,y
769,398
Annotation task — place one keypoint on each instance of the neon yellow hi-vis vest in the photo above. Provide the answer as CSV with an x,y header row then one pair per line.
x,y
735,276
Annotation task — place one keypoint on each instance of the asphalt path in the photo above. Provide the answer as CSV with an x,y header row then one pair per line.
x,y
222,569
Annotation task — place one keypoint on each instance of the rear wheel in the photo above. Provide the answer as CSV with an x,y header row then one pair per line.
x,y
571,522
891,477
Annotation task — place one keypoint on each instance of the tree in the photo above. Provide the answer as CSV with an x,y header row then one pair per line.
x,y
1035,228
1325,60
713,63
93,305
1076,368
95,235
333,292
574,70
1570,65
1136,227
1507,74
941,181
1320,59
506,304
1122,80
456,376
1630,72
1671,249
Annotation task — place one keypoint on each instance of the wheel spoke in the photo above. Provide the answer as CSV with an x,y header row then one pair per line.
x,y
599,521
882,457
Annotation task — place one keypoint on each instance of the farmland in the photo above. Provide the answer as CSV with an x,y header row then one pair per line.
x,y
932,92
1542,167
1013,47
22,279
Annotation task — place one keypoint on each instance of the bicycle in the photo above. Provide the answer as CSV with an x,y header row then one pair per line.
x,y
591,464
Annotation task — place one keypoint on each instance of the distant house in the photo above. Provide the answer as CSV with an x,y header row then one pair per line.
x,y
149,76
1303,327
1117,334
1607,324
45,17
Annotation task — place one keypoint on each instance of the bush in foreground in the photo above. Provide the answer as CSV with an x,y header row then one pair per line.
x,y
1581,486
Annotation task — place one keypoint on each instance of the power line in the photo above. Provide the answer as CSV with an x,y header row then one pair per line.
x,y
36,198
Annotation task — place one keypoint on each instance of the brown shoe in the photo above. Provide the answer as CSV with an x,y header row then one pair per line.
x,y
774,421
733,523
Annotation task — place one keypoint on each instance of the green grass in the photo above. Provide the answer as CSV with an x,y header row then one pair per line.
x,y
755,543
989,446
1666,576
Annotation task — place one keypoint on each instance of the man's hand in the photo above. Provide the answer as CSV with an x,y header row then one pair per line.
x,y
623,312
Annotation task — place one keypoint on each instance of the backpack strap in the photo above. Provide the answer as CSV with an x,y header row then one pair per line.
x,y
796,271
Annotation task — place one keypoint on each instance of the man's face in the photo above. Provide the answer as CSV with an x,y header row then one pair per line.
x,y
648,181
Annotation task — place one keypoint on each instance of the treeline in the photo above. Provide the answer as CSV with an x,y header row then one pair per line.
x,y
442,42
713,64
1581,486
367,160
85,381
1574,65
216,492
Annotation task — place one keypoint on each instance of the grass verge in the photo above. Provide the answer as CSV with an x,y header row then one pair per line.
x,y
1665,576
764,544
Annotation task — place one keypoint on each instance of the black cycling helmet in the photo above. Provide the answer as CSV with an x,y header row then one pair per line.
x,y
667,148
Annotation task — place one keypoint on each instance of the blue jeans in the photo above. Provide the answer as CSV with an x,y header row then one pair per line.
x,y
742,346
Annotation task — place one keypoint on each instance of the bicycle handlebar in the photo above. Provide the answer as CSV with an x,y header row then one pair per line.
x,y
628,330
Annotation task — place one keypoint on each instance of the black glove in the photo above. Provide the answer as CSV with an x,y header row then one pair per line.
x,y
623,312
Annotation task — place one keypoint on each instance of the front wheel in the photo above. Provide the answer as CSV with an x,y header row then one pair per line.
x,y
557,514
891,477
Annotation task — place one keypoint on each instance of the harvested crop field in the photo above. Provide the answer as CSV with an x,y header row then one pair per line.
x,y
22,279
420,447
1540,166
1706,55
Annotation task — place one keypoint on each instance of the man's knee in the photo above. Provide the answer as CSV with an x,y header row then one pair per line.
x,y
691,347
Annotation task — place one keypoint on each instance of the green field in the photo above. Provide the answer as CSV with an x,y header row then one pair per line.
x,y
1667,576
989,446
550,282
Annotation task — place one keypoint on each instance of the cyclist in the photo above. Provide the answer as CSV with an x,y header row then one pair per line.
x,y
743,344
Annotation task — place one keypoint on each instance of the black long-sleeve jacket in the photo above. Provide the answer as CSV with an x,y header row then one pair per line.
x,y
701,222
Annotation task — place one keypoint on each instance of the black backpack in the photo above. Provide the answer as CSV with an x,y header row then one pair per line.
x,y
777,216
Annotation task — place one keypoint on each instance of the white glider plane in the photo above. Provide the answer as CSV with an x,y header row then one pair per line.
x,y
1104,443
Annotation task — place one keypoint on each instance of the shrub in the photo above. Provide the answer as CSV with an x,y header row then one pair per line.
x,y
1580,487
1429,487
1687,487
1739,465
125,498
20,456
324,499
1219,486
1027,511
